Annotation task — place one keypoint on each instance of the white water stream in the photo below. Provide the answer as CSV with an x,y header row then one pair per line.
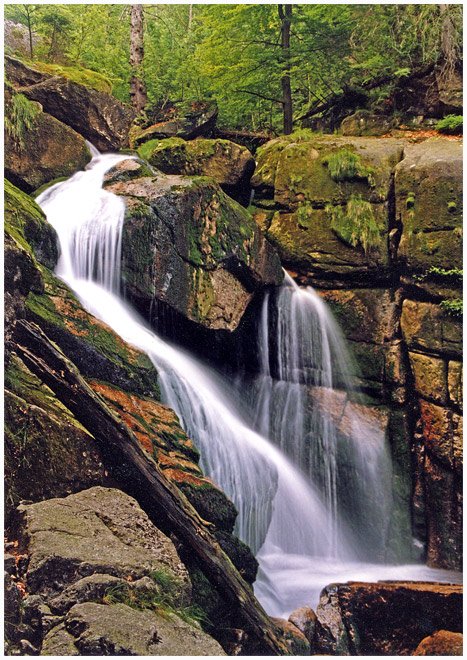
x,y
295,528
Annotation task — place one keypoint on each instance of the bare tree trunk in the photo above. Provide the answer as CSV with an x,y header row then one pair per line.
x,y
138,93
285,14
28,18
449,47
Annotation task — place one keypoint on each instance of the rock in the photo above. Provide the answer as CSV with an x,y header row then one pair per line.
x,y
196,120
96,115
364,122
372,619
443,493
442,642
16,38
9,564
455,380
59,642
294,638
321,187
187,244
426,327
122,630
19,74
432,92
428,185
304,618
46,150
430,375
12,604
240,554
97,351
226,162
91,588
100,530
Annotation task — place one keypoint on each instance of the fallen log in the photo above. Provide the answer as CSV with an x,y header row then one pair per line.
x,y
155,493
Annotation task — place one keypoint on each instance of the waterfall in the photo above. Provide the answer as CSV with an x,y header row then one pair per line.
x,y
292,518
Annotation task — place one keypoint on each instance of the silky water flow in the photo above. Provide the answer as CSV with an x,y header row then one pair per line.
x,y
312,498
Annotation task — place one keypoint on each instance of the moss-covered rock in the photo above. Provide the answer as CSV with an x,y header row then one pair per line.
x,y
77,97
428,185
41,150
427,327
48,453
95,349
187,244
180,120
226,162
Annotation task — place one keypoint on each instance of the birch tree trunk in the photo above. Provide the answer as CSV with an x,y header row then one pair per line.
x,y
138,93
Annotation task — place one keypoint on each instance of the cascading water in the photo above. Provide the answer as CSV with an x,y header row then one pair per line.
x,y
301,541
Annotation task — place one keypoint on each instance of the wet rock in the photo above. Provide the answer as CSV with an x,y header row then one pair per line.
x,y
122,630
226,162
99,530
372,619
186,244
96,115
294,638
442,642
428,185
304,618
198,119
45,150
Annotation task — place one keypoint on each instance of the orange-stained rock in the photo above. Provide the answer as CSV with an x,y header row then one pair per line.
x,y
438,432
425,326
442,642
455,378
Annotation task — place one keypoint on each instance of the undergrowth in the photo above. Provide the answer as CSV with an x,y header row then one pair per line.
x,y
443,275
161,599
355,223
345,165
450,125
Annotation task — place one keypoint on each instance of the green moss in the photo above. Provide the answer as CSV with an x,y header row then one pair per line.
x,y
304,215
443,275
410,201
453,308
355,223
452,207
164,598
76,74
345,165
20,117
450,125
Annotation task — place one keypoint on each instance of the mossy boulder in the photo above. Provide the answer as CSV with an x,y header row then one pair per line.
x,y
326,203
41,150
363,122
78,98
226,162
428,185
189,245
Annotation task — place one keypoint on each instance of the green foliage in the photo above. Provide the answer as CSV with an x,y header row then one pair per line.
x,y
450,125
345,165
453,308
20,115
355,223
446,276
163,598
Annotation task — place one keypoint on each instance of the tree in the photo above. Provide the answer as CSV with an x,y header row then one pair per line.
x,y
138,93
285,15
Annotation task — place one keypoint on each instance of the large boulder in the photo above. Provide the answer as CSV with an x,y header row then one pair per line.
x,y
384,618
226,162
325,203
102,579
40,149
189,245
197,119
428,185
441,642
94,114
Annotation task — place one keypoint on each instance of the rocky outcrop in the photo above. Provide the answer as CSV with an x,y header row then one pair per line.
x,y
188,245
324,202
101,579
428,186
363,122
96,115
226,162
197,119
41,149
385,618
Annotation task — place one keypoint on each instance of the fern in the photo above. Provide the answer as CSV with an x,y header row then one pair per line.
x,y
345,165
355,223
